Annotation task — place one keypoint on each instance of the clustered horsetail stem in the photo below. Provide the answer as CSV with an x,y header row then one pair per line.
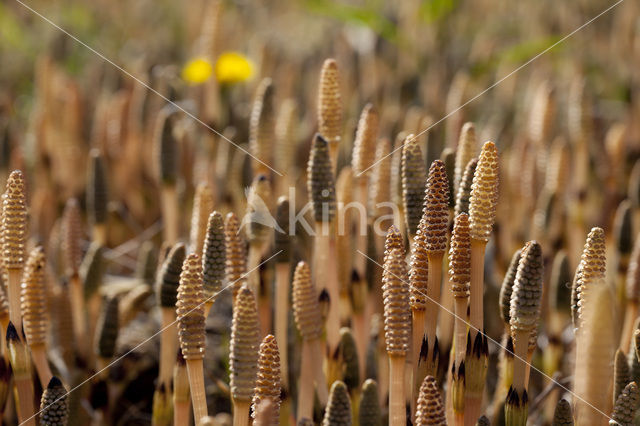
x,y
465,152
262,123
236,258
563,415
107,329
460,257
338,410
526,297
393,241
168,278
320,181
54,408
330,102
369,410
430,408
484,193
624,411
214,256
436,208
282,243
34,298
397,318
190,309
590,269
381,185
463,196
507,287
14,222
366,137
419,265
306,309
268,377
92,269
413,182
245,341
166,149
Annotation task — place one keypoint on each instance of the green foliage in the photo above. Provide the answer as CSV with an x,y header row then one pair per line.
x,y
368,16
519,54
435,10
11,32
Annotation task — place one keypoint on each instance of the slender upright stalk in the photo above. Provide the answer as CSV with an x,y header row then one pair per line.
x,y
88,288
595,343
282,269
482,212
397,410
181,402
162,411
524,314
305,387
359,323
243,354
170,215
40,361
322,192
214,259
459,276
190,313
397,323
14,236
362,161
418,281
97,198
78,312
321,274
258,228
632,297
413,183
432,234
196,384
281,316
505,363
21,366
431,317
166,149
287,123
477,285
34,311
167,283
520,345
308,320
236,256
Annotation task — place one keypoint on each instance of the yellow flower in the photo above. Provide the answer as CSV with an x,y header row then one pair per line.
x,y
233,67
197,70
